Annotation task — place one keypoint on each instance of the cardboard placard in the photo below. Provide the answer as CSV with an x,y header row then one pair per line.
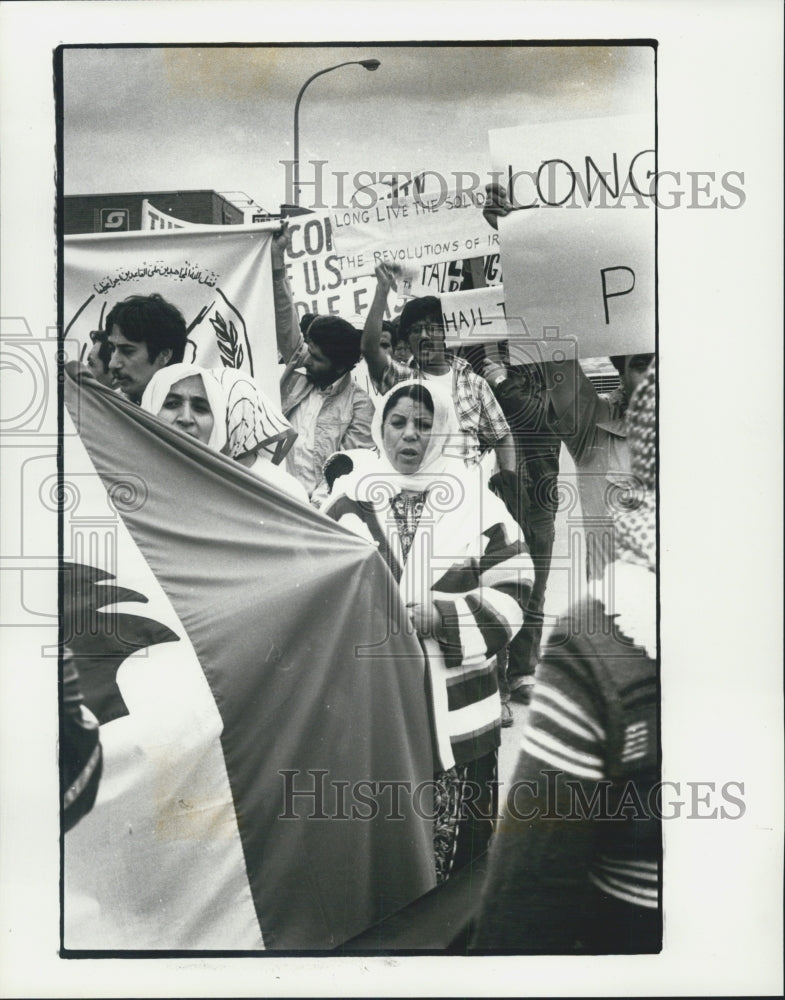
x,y
412,231
578,253
474,316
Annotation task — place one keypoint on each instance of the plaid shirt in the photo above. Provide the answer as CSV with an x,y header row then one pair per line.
x,y
480,417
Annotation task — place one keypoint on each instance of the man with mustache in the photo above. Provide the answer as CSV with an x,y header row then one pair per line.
x,y
146,333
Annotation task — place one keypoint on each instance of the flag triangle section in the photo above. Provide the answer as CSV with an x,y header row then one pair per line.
x,y
263,746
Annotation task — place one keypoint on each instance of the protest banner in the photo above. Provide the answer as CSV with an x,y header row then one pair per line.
x,y
320,287
412,231
318,284
219,277
474,316
455,276
579,253
222,645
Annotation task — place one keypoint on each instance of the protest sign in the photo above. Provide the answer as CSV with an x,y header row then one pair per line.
x,y
474,316
579,254
219,277
455,276
318,284
412,231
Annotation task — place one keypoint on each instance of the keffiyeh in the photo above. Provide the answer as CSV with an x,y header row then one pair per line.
x,y
636,530
254,423
630,582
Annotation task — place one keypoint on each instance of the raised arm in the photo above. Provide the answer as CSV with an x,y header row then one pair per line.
x,y
575,406
287,323
377,359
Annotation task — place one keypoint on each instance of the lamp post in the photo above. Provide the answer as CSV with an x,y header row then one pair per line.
x,y
369,64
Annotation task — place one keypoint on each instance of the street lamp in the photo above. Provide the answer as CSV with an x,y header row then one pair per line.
x,y
369,64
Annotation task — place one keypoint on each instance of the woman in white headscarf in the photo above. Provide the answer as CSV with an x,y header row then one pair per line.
x,y
463,572
190,399
245,425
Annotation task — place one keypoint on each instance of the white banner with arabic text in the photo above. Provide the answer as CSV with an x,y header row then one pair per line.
x,y
219,277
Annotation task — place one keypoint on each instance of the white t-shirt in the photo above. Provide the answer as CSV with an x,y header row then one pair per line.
x,y
467,449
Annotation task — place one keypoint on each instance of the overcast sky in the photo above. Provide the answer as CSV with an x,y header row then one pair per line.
x,y
146,119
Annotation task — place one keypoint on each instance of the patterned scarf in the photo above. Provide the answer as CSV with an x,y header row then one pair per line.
x,y
407,508
635,530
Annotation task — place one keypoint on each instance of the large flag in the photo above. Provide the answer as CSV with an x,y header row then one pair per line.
x,y
219,277
267,749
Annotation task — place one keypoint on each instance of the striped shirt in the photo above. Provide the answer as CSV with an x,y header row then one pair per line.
x,y
602,733
479,620
479,586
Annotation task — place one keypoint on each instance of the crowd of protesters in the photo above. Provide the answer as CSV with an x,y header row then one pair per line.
x,y
452,473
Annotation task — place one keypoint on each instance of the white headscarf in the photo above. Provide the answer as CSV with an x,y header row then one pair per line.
x,y
160,384
376,480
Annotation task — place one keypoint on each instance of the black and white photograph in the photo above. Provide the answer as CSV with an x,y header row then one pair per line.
x,y
396,590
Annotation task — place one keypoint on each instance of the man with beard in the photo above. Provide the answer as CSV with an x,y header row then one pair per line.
x,y
329,411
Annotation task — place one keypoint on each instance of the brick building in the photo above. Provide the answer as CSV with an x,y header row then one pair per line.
x,y
114,213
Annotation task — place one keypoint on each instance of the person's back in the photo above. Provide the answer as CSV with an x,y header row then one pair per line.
x,y
577,855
